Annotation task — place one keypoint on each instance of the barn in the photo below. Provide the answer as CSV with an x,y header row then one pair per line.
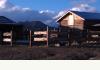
x,y
10,31
39,33
78,27
24,33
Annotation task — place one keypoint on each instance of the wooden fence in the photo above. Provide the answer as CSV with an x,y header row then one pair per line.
x,y
6,38
46,38
52,38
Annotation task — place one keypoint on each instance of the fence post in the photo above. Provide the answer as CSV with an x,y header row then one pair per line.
x,y
30,39
11,38
47,37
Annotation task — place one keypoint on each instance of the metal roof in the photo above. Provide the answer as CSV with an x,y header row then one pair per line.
x,y
88,15
33,25
85,15
5,20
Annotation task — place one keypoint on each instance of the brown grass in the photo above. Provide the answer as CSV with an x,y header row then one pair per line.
x,y
24,53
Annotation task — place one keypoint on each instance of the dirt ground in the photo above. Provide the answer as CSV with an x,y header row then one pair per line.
x,y
24,53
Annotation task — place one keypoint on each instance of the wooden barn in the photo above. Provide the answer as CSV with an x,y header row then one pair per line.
x,y
79,27
10,31
38,33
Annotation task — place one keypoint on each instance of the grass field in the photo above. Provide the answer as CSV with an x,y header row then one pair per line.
x,y
24,53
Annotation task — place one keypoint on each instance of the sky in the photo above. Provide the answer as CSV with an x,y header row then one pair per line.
x,y
46,11
55,5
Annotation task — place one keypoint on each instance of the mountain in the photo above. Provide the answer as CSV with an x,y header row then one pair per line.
x,y
18,14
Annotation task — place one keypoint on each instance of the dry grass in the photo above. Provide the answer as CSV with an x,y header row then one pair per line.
x,y
24,53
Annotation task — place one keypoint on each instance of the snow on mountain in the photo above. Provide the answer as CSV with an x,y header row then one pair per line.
x,y
18,13
49,17
60,14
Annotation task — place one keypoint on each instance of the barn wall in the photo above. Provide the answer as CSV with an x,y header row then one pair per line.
x,y
69,33
78,22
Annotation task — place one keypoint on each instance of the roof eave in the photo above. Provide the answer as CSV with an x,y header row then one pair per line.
x,y
65,15
62,16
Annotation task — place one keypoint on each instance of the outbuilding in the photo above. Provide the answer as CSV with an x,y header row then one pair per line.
x,y
78,26
10,31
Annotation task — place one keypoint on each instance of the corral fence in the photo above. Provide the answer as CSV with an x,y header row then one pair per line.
x,y
46,37
52,38
79,38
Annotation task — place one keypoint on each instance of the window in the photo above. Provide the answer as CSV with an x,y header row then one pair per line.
x,y
71,20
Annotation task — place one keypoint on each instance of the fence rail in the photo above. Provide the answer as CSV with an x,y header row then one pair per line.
x,y
54,38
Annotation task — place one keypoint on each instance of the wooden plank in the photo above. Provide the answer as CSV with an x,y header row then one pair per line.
x,y
40,39
8,38
40,32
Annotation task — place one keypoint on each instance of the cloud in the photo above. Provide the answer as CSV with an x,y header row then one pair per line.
x,y
5,5
84,7
60,14
46,11
82,1
18,13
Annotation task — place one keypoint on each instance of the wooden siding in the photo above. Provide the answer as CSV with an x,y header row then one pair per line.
x,y
70,33
78,22
64,23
